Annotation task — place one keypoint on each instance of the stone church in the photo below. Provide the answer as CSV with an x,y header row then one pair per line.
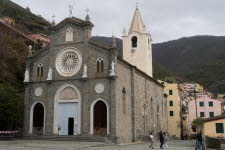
x,y
77,86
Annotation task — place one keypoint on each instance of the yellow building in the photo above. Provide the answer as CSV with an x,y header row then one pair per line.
x,y
173,109
221,96
214,127
198,88
8,20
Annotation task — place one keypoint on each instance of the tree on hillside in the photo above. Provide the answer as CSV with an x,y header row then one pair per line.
x,y
11,108
13,54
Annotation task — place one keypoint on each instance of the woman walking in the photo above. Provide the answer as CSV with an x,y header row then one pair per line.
x,y
151,136
165,138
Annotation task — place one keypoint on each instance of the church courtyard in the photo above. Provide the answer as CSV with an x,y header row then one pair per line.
x,y
75,145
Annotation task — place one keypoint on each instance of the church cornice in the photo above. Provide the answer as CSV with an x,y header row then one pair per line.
x,y
68,80
101,48
39,54
73,20
70,44
98,44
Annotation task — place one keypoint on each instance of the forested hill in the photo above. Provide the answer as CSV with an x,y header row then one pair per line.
x,y
24,18
199,58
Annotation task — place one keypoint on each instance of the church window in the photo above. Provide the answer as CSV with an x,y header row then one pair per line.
x,y
100,65
171,113
68,62
134,41
40,71
124,100
69,34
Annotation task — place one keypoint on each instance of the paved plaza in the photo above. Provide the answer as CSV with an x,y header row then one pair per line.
x,y
75,145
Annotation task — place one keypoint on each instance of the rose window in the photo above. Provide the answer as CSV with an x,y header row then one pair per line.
x,y
68,62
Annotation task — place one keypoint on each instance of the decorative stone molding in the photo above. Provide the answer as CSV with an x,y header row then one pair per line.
x,y
38,91
99,88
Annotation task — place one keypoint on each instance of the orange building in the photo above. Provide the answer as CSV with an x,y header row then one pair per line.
x,y
42,37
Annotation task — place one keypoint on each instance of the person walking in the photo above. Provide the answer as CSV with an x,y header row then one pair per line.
x,y
200,141
151,136
161,139
165,138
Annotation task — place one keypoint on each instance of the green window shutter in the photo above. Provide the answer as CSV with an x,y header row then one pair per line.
x,y
202,114
201,104
171,103
219,128
210,104
211,114
171,113
170,92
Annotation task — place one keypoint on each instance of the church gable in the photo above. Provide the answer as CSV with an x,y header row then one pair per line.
x,y
71,30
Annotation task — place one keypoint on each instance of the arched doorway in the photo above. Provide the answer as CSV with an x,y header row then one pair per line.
x,y
67,111
100,118
99,122
38,119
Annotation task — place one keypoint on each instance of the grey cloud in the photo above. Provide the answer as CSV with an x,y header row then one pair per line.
x,y
166,19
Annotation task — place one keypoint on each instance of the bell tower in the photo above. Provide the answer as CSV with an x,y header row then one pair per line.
x,y
137,45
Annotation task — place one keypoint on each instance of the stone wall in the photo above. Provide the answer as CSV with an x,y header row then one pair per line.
x,y
214,143
145,104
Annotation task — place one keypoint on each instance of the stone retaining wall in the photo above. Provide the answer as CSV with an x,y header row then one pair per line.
x,y
214,143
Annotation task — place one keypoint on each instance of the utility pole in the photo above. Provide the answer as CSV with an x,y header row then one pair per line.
x,y
196,112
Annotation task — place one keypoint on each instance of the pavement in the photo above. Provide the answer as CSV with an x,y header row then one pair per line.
x,y
75,145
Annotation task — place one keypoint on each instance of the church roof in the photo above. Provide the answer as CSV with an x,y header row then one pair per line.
x,y
137,24
73,20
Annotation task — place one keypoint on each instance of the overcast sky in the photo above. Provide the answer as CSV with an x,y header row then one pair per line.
x,y
166,19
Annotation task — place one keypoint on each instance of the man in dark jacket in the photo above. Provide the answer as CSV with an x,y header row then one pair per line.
x,y
161,139
200,141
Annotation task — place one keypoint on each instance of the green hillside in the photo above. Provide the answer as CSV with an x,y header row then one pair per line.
x,y
24,18
199,58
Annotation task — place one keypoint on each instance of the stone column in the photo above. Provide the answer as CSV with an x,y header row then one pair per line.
x,y
133,103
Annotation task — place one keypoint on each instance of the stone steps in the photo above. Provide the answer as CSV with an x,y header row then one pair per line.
x,y
69,138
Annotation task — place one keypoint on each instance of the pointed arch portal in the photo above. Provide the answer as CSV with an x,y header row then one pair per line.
x,y
37,119
99,123
67,111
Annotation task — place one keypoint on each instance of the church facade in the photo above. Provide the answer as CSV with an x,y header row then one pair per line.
x,y
78,86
